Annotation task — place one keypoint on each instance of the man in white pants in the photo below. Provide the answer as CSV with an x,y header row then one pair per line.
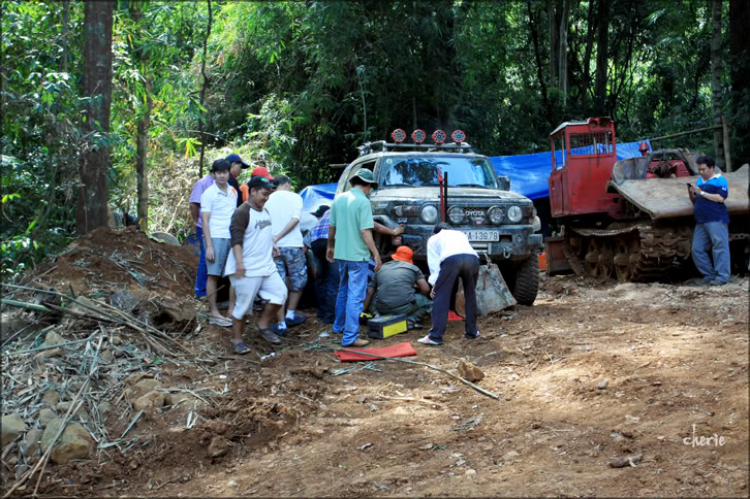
x,y
250,264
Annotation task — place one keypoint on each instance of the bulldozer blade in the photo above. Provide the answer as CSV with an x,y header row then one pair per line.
x,y
663,198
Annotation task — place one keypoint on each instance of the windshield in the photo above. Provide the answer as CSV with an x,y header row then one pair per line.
x,y
423,171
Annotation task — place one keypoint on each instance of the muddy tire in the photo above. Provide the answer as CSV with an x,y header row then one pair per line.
x,y
524,284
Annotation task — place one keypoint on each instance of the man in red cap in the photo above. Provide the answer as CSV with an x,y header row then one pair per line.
x,y
261,171
394,287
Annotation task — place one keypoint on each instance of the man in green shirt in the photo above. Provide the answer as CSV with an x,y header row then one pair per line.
x,y
395,286
350,245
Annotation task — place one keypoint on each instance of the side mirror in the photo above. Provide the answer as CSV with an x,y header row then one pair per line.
x,y
504,182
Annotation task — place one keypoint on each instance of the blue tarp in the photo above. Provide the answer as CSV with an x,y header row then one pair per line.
x,y
314,195
528,174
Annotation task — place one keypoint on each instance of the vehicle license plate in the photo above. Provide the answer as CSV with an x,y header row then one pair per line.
x,y
483,235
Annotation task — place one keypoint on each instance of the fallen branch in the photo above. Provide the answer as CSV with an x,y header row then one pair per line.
x,y
423,364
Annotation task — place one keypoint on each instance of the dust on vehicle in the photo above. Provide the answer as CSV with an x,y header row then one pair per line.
x,y
499,223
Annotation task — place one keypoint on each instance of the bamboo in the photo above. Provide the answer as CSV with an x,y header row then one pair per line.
x,y
689,132
727,154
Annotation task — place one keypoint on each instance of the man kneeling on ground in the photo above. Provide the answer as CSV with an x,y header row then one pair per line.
x,y
251,267
394,284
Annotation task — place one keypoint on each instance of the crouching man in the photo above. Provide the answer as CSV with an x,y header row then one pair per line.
x,y
250,264
450,256
394,289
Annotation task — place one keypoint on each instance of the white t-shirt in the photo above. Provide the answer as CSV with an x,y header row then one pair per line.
x,y
221,206
284,206
257,244
445,244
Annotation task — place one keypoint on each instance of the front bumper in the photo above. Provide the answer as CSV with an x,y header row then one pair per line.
x,y
517,242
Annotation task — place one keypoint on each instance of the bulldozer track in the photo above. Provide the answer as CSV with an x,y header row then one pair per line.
x,y
641,252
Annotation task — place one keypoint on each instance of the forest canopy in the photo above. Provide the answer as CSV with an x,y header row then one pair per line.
x,y
104,103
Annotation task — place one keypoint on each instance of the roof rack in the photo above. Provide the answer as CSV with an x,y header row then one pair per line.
x,y
382,145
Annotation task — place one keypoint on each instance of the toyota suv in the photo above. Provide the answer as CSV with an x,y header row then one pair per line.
x,y
499,223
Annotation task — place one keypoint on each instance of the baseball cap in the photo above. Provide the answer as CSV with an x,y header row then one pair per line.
x,y
366,176
235,158
403,254
322,209
261,171
258,182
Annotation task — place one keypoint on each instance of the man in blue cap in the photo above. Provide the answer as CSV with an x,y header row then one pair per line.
x,y
238,164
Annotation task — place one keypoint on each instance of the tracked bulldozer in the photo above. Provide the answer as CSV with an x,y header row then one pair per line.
x,y
632,219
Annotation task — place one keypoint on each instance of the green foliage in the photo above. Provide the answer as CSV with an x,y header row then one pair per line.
x,y
295,86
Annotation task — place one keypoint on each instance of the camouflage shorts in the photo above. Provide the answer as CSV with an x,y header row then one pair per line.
x,y
292,263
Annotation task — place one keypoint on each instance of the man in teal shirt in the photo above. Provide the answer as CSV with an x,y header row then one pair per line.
x,y
350,245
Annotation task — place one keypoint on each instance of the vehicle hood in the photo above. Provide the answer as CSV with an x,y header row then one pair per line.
x,y
432,193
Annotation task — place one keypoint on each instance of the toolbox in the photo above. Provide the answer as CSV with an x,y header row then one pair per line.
x,y
385,326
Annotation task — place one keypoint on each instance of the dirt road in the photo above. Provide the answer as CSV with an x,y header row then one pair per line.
x,y
586,376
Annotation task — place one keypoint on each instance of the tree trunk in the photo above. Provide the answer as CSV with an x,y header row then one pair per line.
x,y
203,89
563,51
590,32
716,80
600,84
66,17
554,37
739,49
91,209
537,56
144,120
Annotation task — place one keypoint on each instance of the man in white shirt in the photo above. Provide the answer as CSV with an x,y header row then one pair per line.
x,y
217,206
285,207
450,256
250,264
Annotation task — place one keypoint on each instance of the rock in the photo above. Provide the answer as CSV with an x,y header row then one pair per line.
x,y
149,401
469,371
31,442
470,473
136,377
45,416
62,409
104,409
116,340
622,462
233,484
42,356
511,455
52,338
218,447
107,356
602,384
10,323
74,443
143,387
51,398
12,426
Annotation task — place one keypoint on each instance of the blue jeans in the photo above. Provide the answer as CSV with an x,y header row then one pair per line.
x,y
465,267
326,283
350,300
712,237
202,276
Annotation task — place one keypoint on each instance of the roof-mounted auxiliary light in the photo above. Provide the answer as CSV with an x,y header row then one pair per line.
x,y
439,136
458,136
398,135
418,136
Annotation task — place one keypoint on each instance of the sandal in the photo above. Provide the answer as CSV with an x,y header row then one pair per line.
x,y
240,348
269,335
